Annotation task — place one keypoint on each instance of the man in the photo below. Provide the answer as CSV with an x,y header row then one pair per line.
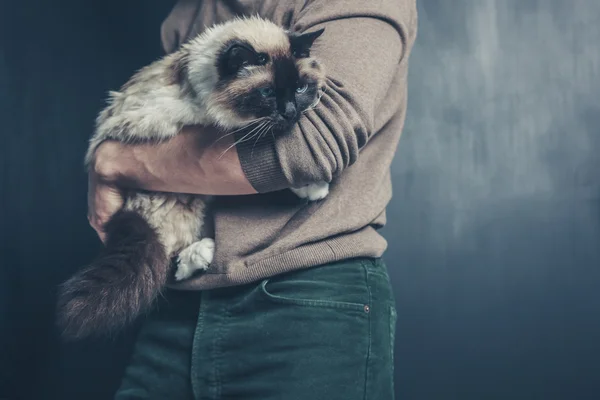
x,y
297,303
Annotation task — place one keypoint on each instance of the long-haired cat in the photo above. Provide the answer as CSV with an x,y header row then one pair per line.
x,y
245,73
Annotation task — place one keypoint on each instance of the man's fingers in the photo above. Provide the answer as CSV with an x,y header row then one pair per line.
x,y
104,200
98,227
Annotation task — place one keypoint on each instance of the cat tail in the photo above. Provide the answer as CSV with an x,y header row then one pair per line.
x,y
119,285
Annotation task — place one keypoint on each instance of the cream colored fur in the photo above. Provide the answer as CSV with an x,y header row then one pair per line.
x,y
152,106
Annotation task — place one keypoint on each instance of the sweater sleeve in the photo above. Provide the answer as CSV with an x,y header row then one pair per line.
x,y
360,49
178,24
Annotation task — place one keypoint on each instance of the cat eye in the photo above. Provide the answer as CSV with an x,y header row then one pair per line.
x,y
262,59
266,91
302,89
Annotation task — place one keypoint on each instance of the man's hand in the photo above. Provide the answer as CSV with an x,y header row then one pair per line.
x,y
197,161
104,197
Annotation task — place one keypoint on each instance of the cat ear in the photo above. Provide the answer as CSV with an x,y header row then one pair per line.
x,y
234,58
301,43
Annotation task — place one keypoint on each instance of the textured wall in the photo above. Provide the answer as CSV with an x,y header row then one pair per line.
x,y
57,60
495,221
494,228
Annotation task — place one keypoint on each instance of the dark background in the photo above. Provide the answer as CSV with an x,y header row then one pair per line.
x,y
494,227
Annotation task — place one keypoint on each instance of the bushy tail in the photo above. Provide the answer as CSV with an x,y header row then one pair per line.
x,y
119,285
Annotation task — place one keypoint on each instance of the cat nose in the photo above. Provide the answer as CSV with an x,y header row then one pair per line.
x,y
290,111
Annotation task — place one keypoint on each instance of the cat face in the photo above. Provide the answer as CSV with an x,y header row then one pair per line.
x,y
263,75
277,85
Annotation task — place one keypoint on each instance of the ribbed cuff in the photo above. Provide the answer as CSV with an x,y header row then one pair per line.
x,y
260,163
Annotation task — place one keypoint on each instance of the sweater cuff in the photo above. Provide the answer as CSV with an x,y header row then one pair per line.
x,y
260,163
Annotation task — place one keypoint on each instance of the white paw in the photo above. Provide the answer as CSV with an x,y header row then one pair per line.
x,y
312,192
196,256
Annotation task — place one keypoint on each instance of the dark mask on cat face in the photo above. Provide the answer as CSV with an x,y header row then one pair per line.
x,y
276,82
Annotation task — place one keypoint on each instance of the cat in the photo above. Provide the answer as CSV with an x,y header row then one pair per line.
x,y
231,76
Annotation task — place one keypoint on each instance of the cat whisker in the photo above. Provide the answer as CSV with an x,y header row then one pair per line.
x,y
252,133
248,125
237,142
262,133
316,103
243,139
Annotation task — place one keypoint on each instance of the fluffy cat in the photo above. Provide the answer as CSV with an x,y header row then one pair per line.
x,y
245,73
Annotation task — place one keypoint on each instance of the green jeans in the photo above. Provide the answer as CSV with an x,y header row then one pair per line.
x,y
324,333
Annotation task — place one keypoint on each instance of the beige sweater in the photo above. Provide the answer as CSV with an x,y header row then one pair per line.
x,y
349,140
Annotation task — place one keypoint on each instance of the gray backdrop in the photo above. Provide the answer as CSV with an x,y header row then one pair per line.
x,y
494,227
495,222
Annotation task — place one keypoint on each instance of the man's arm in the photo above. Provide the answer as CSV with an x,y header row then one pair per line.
x,y
361,48
200,160
360,51
179,23
196,161
363,43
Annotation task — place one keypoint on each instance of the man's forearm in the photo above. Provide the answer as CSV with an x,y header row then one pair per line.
x,y
198,161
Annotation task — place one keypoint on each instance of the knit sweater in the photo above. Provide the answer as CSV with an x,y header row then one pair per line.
x,y
348,140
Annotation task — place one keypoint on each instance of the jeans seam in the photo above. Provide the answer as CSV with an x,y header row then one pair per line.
x,y
368,358
217,345
195,350
393,320
227,313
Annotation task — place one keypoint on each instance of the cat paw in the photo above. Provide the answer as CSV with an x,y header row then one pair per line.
x,y
196,256
313,192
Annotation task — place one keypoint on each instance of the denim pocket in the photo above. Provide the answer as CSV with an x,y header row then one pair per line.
x,y
339,285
